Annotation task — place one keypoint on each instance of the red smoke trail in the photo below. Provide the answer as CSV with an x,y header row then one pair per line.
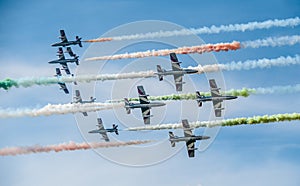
x,y
71,146
182,50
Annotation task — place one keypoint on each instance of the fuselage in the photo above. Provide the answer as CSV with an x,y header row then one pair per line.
x,y
101,131
178,72
64,61
91,101
83,102
218,98
188,139
63,44
139,105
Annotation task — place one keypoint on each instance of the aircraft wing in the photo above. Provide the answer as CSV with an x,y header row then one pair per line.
x,y
217,107
191,148
146,115
178,82
186,128
77,96
71,53
63,36
190,145
102,130
176,67
142,95
58,73
65,68
60,54
214,88
104,135
64,87
174,62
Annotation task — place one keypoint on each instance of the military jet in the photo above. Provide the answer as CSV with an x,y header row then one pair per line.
x,y
64,41
189,138
145,105
104,131
215,97
78,99
63,86
176,71
63,61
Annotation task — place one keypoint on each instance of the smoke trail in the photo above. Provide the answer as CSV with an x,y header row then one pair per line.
x,y
244,92
246,65
99,40
164,52
250,64
58,109
8,83
71,146
272,41
28,82
226,122
291,22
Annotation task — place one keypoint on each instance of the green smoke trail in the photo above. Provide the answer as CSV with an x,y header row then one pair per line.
x,y
8,83
244,92
227,122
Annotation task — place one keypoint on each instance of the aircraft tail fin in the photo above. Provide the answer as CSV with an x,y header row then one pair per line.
x,y
79,40
126,105
76,60
92,99
199,97
115,127
171,135
160,71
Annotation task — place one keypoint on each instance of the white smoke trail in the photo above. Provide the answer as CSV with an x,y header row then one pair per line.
x,y
71,146
240,65
250,64
278,89
291,22
27,82
58,109
104,77
225,122
272,41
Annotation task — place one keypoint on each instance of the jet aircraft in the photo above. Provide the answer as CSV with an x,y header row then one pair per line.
x,y
104,131
215,97
78,99
145,105
176,71
64,41
189,138
63,86
63,61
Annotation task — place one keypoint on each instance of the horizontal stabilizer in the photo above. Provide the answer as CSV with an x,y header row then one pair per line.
x,y
219,108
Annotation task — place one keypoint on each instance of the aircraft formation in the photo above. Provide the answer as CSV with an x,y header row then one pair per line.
x,y
144,104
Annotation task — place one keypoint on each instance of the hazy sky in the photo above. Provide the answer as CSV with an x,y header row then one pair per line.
x,y
243,155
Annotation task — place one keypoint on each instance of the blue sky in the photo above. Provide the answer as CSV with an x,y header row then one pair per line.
x,y
243,155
